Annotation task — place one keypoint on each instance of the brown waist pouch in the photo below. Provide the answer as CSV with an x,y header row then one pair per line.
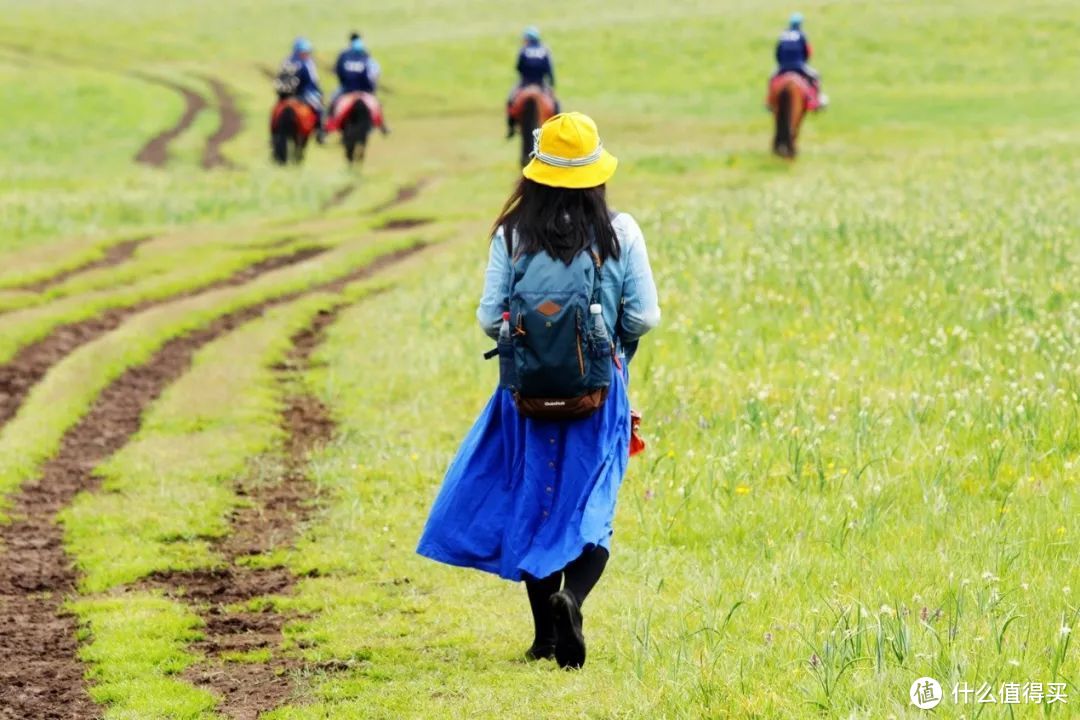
x,y
561,408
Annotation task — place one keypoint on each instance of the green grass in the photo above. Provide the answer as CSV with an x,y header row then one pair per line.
x,y
136,645
807,492
861,406
169,492
164,497
66,393
184,262
34,316
40,262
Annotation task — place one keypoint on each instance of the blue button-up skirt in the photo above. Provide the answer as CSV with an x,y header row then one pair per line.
x,y
526,497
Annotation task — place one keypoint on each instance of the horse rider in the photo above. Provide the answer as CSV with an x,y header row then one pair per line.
x,y
300,68
793,54
534,67
357,71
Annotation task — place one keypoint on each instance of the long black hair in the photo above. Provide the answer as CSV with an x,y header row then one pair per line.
x,y
559,221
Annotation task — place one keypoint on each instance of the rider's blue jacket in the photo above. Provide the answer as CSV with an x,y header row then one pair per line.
x,y
357,71
307,74
792,50
534,65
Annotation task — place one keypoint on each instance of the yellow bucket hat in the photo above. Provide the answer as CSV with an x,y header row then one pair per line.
x,y
567,153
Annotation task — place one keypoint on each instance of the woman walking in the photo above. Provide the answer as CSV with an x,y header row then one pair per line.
x,y
531,493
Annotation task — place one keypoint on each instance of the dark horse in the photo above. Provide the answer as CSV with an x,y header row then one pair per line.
x,y
788,100
529,121
531,108
355,128
291,125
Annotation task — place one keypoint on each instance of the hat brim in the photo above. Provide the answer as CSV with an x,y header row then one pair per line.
x,y
575,178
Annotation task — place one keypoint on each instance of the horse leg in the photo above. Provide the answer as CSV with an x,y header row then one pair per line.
x,y
284,128
279,147
530,115
365,133
782,137
299,143
348,137
793,107
350,144
798,112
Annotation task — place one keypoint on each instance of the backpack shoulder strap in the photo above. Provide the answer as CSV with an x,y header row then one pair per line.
x,y
598,268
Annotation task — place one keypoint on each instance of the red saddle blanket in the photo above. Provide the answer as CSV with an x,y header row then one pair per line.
x,y
809,92
306,118
545,103
345,104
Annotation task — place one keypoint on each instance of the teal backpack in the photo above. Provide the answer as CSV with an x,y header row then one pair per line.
x,y
562,353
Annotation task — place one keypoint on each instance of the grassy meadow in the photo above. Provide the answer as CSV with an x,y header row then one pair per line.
x,y
862,407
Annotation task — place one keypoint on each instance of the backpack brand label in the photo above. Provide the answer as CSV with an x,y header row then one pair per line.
x,y
548,308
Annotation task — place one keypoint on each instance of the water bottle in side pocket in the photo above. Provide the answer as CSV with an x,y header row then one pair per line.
x,y
505,348
599,340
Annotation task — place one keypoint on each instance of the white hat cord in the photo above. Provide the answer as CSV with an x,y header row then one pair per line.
x,y
557,161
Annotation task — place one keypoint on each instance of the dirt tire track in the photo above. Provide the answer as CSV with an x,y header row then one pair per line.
x,y
232,123
340,195
277,511
22,372
404,223
41,676
155,152
405,193
114,255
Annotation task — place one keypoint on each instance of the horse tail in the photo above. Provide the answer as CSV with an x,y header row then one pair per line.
x,y
285,128
530,120
355,129
782,141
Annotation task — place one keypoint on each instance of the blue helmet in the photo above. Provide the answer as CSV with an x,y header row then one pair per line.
x,y
301,45
531,34
358,45
796,20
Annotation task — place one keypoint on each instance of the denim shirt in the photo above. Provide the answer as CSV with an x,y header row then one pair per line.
x,y
626,283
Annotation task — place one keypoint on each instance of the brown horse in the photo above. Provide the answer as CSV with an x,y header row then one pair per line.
x,y
531,107
788,99
291,123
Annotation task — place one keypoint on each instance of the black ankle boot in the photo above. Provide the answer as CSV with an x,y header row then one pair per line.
x,y
569,639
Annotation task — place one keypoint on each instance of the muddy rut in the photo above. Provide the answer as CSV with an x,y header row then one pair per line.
x,y
155,152
340,195
114,255
404,194
26,369
277,509
40,676
231,124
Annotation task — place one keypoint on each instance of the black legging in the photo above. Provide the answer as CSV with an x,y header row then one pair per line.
x,y
581,577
